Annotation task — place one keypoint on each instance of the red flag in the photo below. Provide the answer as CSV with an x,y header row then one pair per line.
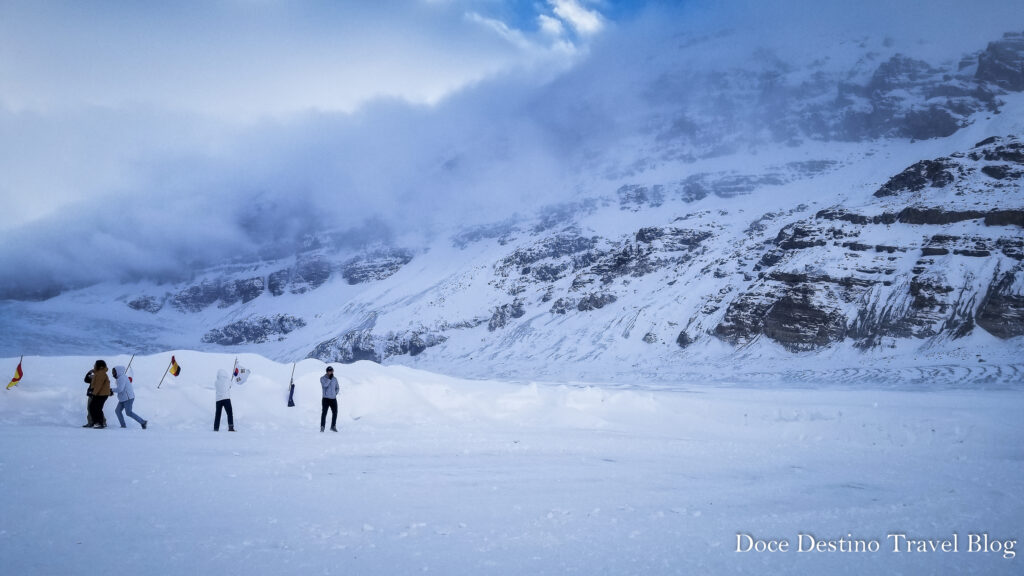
x,y
17,377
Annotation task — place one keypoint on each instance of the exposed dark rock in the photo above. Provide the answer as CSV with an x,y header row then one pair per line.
x,y
1001,172
927,307
244,290
307,274
146,303
937,216
650,338
562,215
503,231
973,253
683,340
931,122
692,191
796,279
797,237
1011,247
672,239
798,324
842,214
1001,312
348,348
595,302
504,313
926,293
630,260
744,319
634,197
363,344
812,167
277,282
563,305
566,243
547,272
934,173
253,330
1005,218
701,185
856,246
374,266
196,298
769,259
900,72
1002,63
924,215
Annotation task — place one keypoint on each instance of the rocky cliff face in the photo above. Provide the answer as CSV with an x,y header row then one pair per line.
x,y
910,267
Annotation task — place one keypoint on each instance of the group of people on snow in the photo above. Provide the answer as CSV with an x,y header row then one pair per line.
x,y
101,388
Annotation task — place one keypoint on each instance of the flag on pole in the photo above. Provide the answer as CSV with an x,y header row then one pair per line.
x,y
17,376
174,369
240,375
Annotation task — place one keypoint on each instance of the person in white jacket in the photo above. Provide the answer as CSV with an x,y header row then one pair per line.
x,y
223,387
125,396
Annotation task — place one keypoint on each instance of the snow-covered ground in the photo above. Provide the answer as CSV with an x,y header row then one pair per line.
x,y
431,474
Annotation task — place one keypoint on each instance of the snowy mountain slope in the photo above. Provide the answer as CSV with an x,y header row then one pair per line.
x,y
891,231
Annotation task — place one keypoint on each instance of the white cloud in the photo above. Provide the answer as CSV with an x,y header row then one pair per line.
x,y
585,22
243,61
551,26
194,130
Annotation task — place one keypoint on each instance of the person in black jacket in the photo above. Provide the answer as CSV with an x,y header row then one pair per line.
x,y
88,401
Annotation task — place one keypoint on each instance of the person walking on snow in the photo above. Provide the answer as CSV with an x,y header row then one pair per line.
x,y
125,396
330,400
100,393
223,387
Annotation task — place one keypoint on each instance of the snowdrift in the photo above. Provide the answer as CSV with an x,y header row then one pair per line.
x,y
53,393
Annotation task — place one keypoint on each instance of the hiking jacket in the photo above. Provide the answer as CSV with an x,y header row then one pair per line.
x,y
124,389
330,386
101,383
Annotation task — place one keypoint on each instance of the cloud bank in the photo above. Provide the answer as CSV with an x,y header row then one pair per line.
x,y
192,136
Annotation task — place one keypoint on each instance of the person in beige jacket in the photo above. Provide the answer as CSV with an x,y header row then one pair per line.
x,y
100,393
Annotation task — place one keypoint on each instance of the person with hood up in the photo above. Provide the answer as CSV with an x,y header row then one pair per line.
x,y
223,387
330,400
125,396
100,393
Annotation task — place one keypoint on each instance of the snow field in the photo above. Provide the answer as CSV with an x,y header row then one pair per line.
x,y
432,474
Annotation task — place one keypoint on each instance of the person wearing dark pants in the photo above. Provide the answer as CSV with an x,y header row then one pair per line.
x,y
100,393
88,401
223,387
330,400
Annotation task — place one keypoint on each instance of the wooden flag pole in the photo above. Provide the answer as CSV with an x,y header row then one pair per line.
x,y
166,370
